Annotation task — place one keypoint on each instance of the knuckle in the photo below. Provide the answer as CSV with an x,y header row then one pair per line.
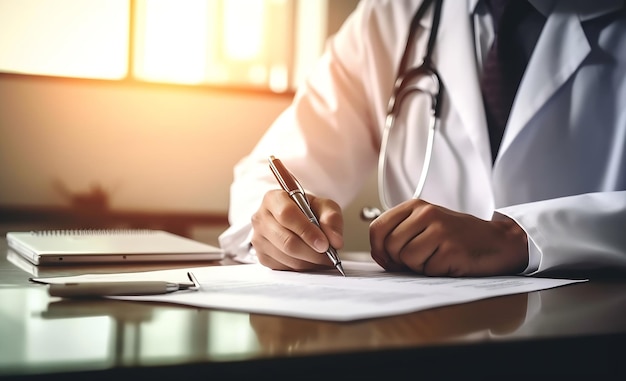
x,y
375,229
281,213
290,243
256,219
429,211
332,218
438,229
271,204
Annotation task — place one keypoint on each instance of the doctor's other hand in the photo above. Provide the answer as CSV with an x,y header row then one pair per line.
x,y
435,241
285,239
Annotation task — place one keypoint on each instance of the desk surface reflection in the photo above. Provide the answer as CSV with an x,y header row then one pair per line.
x,y
577,330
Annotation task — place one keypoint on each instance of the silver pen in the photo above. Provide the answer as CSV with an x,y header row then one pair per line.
x,y
291,185
125,288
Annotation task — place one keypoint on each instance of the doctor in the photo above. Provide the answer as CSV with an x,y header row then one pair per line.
x,y
535,185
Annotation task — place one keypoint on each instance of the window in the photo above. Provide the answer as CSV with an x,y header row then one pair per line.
x,y
72,38
263,44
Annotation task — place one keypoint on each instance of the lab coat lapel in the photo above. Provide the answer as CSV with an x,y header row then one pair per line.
x,y
559,52
455,59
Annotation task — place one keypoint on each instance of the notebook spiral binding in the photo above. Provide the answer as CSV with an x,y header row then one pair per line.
x,y
92,232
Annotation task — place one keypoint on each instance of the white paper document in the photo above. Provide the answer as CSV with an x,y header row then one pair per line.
x,y
367,292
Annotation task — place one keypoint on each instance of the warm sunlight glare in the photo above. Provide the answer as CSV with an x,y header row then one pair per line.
x,y
243,21
71,38
172,40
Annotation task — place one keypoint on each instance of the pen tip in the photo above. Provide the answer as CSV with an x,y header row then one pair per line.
x,y
340,268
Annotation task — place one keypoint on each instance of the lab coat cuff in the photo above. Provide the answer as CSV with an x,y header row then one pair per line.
x,y
534,254
235,241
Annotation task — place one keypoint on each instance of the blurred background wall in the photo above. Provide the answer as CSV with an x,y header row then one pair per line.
x,y
149,147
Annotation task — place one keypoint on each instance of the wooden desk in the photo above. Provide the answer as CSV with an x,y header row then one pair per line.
x,y
578,331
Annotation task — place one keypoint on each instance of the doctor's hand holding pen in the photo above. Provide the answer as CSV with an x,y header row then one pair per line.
x,y
291,228
285,239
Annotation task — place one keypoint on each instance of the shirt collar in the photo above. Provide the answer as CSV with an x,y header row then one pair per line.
x,y
543,6
472,4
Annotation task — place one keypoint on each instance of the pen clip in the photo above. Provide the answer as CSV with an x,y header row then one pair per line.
x,y
286,180
194,280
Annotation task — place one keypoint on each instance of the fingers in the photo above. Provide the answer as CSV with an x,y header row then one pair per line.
x,y
436,241
275,259
470,246
330,218
379,230
401,238
285,239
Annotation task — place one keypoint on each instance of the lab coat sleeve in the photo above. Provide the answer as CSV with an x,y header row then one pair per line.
x,y
579,232
326,137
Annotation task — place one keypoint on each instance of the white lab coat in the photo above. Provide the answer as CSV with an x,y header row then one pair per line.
x,y
561,169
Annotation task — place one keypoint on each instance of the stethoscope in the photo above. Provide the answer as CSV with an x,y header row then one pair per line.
x,y
409,81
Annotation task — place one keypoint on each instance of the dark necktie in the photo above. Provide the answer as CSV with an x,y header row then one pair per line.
x,y
504,66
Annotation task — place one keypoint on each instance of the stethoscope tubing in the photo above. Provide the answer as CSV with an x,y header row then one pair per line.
x,y
390,120
400,92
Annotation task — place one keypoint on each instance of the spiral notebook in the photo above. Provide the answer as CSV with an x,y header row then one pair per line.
x,y
108,246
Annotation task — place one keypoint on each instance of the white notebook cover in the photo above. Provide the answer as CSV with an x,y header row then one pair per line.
x,y
108,246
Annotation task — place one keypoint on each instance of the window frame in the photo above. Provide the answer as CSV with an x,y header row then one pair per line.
x,y
130,79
